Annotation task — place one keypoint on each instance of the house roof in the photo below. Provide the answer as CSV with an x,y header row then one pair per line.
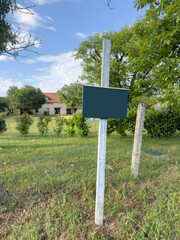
x,y
52,97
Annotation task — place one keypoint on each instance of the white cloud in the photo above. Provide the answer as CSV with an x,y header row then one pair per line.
x,y
26,20
43,2
52,29
29,20
64,69
5,58
60,70
80,34
6,83
49,18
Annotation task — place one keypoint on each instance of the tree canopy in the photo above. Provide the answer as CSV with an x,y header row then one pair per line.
x,y
71,94
144,56
25,98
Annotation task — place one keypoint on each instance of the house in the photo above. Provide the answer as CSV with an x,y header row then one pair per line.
x,y
51,106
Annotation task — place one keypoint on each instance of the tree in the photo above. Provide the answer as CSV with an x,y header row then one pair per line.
x,y
158,46
3,103
12,41
71,95
123,72
25,98
11,96
144,57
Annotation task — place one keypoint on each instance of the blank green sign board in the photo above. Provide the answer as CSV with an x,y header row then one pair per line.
x,y
104,103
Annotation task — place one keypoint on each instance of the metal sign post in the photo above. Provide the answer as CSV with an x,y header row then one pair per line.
x,y
103,102
100,182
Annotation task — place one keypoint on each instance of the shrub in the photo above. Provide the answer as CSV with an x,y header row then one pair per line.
x,y
2,125
131,120
118,125
3,114
46,113
70,127
178,121
42,124
59,124
81,126
160,123
23,123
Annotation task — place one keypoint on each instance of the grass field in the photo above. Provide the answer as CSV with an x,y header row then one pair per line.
x,y
49,185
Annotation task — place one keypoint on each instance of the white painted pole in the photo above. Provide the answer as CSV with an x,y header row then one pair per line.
x,y
100,182
138,139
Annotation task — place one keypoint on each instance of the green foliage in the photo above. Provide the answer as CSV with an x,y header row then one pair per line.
x,y
25,98
123,72
144,57
111,126
81,125
3,103
71,95
23,123
5,27
11,95
59,125
3,114
131,120
118,125
161,123
70,127
157,45
178,121
2,125
121,125
42,124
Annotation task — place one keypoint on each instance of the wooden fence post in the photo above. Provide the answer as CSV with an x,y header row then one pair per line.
x,y
138,139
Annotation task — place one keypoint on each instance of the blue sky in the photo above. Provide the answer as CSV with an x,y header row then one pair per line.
x,y
61,25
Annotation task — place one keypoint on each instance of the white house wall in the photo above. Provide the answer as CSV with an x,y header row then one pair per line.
x,y
52,107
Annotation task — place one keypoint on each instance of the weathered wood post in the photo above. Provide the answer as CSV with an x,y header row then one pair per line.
x,y
138,138
100,181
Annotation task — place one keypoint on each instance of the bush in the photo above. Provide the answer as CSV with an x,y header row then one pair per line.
x,y
81,126
2,125
59,125
23,123
131,120
3,114
118,125
161,123
46,113
70,127
178,121
42,124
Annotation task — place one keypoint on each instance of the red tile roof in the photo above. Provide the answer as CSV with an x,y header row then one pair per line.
x,y
53,97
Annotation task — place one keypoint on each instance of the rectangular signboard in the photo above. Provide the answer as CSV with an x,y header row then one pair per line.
x,y
104,102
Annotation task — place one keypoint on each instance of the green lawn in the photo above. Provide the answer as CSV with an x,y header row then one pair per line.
x,y
51,187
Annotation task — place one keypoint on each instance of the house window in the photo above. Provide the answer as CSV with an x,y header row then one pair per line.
x,y
47,98
57,110
47,109
37,110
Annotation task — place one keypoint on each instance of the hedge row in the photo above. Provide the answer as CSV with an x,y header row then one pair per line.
x,y
75,124
158,123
